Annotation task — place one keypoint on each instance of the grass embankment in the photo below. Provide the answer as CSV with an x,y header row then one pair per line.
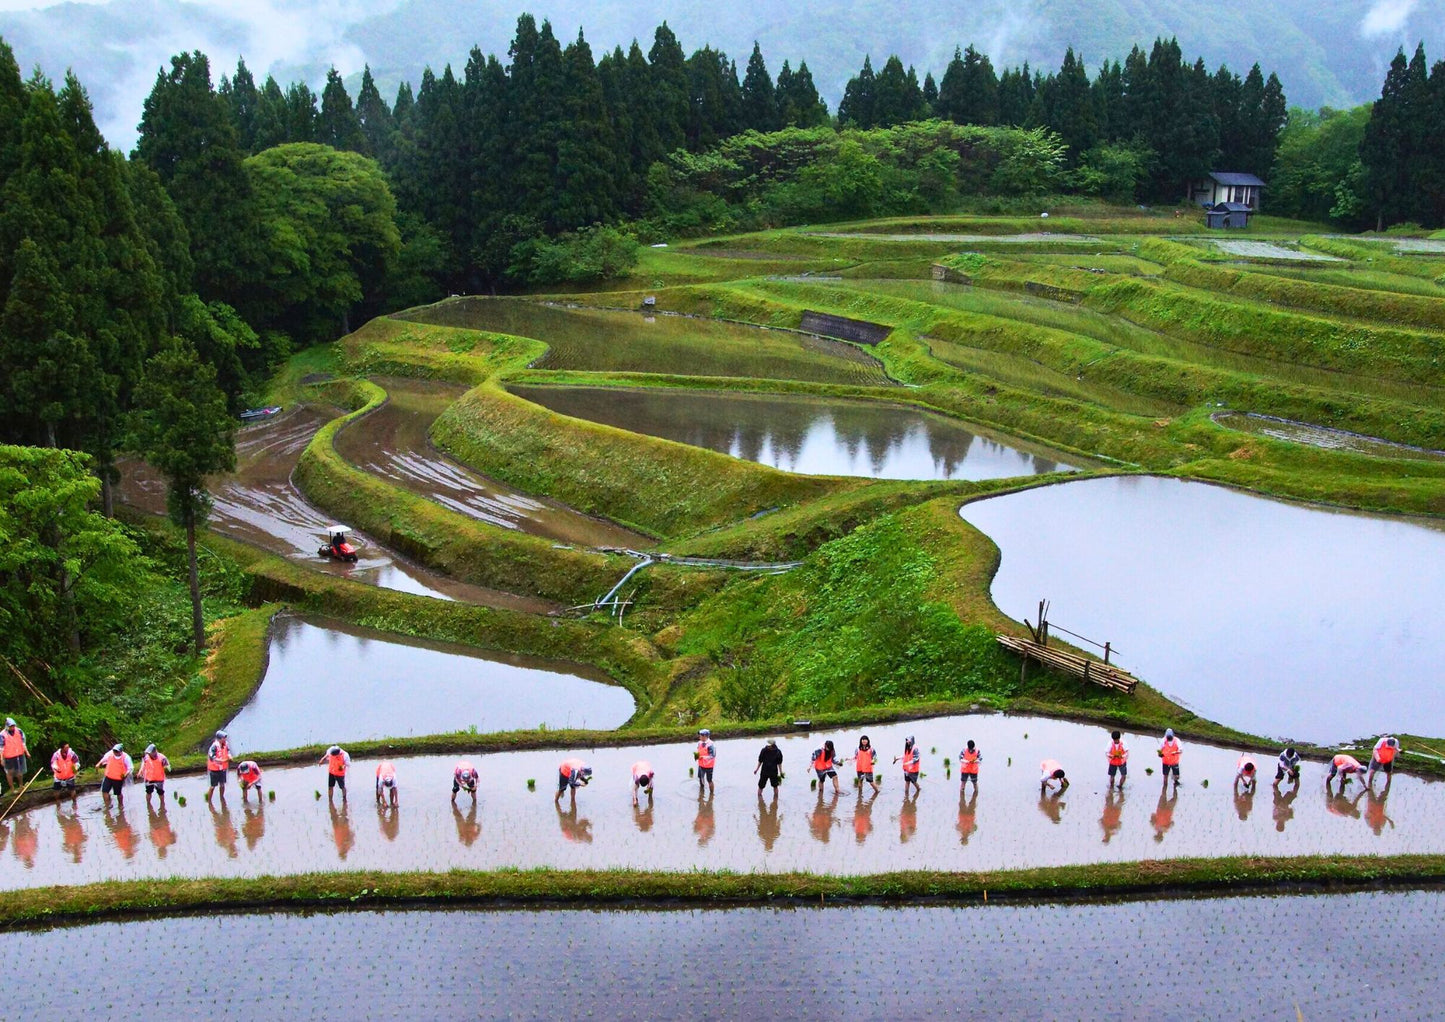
x,y
48,906
449,541
655,486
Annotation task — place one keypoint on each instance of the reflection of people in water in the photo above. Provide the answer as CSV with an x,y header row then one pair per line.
x,y
908,815
389,819
967,811
769,823
1163,816
1051,804
72,831
25,840
1340,804
253,827
1375,816
863,814
341,832
120,829
468,829
1112,817
1284,804
642,815
1243,798
226,833
706,823
161,834
574,829
820,821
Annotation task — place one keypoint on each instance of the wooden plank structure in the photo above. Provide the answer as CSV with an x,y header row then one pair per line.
x,y
1079,664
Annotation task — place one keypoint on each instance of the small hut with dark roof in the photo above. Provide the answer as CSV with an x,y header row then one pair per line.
x,y
1227,187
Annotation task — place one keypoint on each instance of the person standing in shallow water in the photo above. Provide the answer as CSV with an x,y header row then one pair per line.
x,y
770,767
912,765
1169,753
1118,756
337,760
968,762
706,759
863,764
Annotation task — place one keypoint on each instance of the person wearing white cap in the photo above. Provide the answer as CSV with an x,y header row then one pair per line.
x,y
152,770
1169,753
117,766
218,764
16,754
337,760
706,755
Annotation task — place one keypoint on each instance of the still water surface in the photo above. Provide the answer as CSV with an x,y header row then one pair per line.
x,y
328,681
802,434
1007,824
1275,618
1259,957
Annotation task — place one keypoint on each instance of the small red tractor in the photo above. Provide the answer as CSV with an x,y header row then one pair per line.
x,y
336,548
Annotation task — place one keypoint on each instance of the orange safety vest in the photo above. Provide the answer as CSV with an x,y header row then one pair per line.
x,y
1049,767
569,767
221,760
114,766
63,768
970,761
704,757
386,771
153,768
1171,751
822,761
14,743
336,764
863,760
641,768
249,772
1245,761
1343,762
911,760
1384,753
1118,755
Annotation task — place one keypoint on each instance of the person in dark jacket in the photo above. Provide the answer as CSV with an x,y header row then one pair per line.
x,y
770,766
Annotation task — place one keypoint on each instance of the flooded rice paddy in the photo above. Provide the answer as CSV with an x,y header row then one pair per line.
x,y
1271,250
392,443
1006,824
1322,436
260,505
1275,618
802,434
328,681
1255,957
611,340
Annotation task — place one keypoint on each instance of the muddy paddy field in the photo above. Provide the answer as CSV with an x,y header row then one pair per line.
x,y
1258,957
1007,824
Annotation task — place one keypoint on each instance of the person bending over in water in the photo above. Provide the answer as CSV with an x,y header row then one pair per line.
x,y
248,773
1052,777
1288,766
642,775
571,775
1245,774
1383,758
386,782
1346,766
464,778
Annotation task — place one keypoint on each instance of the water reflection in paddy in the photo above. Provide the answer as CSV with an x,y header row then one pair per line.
x,y
802,434
328,681
1007,825
1273,618
1035,961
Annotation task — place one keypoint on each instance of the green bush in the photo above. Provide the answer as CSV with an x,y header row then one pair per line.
x,y
591,254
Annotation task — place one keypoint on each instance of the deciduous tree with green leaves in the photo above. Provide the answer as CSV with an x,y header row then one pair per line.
x,y
184,430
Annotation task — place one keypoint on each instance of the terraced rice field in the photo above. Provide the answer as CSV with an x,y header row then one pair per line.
x,y
1257,957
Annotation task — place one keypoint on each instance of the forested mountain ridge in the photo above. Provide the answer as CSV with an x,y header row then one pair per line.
x,y
1331,52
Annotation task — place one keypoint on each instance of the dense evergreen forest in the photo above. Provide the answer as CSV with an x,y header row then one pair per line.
x,y
143,300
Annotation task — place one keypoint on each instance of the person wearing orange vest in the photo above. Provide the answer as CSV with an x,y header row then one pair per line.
x,y
863,761
1169,753
248,772
117,767
152,770
571,775
1346,766
1383,758
337,760
1118,756
464,778
64,764
1051,775
386,782
15,753
706,755
968,761
218,763
912,763
1246,773
642,775
825,765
